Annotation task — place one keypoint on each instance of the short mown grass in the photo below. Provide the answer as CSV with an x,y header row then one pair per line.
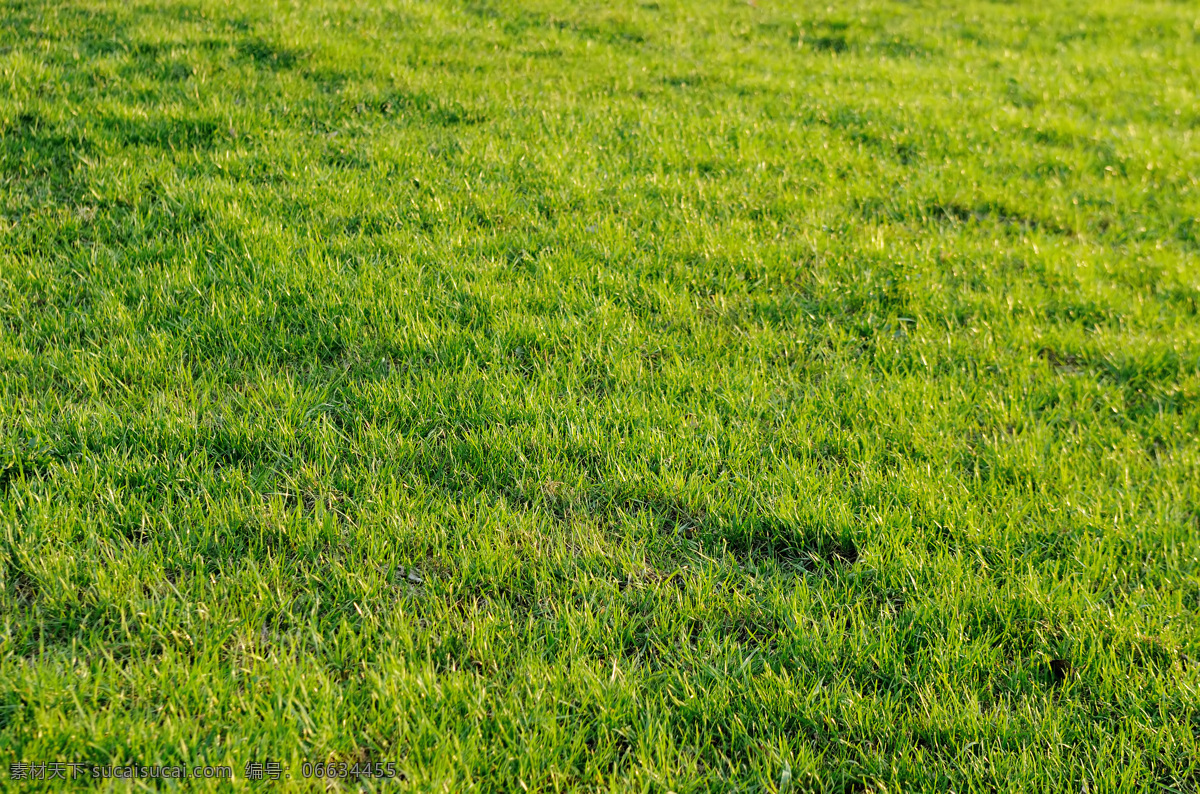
x,y
673,396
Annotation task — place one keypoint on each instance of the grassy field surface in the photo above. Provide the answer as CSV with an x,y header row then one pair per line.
x,y
648,396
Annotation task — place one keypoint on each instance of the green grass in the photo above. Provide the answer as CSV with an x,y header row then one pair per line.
x,y
626,397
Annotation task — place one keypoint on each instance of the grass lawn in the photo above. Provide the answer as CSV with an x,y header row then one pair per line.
x,y
632,396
